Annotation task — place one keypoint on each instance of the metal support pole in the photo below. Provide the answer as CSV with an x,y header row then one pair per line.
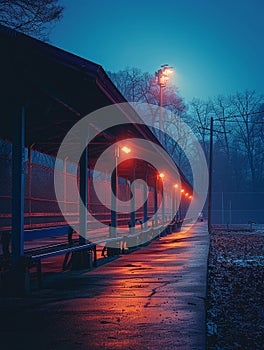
x,y
114,186
161,115
83,238
132,207
81,259
180,207
145,197
210,177
155,204
230,212
173,204
18,188
163,205
177,205
65,184
222,208
30,183
89,191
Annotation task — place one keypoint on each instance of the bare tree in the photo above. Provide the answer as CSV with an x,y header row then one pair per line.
x,y
200,113
138,86
33,17
249,122
222,110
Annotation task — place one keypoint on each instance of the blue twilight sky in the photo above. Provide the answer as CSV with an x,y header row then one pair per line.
x,y
215,46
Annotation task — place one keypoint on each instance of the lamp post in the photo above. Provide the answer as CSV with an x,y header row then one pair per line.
x,y
162,75
161,176
113,232
175,202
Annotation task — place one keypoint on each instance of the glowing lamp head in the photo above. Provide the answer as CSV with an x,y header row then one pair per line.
x,y
163,75
126,149
176,186
182,191
161,175
190,197
168,71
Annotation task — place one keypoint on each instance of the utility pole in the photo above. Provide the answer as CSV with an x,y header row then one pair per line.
x,y
210,185
210,177
162,76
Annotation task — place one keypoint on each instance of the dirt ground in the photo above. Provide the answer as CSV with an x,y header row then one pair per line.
x,y
235,303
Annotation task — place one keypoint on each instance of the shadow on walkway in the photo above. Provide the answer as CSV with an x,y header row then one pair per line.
x,y
153,298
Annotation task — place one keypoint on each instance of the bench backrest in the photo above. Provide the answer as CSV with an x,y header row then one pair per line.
x,y
45,232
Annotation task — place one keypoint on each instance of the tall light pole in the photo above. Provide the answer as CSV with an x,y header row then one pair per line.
x,y
114,185
162,75
161,176
175,202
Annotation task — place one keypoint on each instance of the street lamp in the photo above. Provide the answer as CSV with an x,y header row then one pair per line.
x,y
113,232
126,149
175,202
163,76
162,176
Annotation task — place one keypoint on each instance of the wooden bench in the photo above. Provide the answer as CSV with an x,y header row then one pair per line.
x,y
33,257
46,232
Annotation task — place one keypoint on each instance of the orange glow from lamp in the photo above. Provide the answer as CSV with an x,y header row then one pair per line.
x,y
126,149
161,175
168,71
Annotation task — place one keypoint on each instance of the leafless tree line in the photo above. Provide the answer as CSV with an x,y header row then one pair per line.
x,y
238,128
33,17
238,138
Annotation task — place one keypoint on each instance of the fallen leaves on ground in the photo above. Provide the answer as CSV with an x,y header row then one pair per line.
x,y
235,298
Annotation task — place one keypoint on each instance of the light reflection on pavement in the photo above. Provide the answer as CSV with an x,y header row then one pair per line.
x,y
152,298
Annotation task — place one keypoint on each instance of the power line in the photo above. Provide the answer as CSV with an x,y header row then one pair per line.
x,y
240,116
239,121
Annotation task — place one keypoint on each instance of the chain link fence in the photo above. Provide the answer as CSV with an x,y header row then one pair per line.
x,y
231,208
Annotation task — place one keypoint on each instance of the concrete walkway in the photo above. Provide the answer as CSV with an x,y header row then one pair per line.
x,y
152,299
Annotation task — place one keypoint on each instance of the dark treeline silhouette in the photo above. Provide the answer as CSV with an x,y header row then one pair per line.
x,y
32,17
238,148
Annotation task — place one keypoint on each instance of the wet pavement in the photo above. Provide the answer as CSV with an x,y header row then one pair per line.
x,y
153,298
